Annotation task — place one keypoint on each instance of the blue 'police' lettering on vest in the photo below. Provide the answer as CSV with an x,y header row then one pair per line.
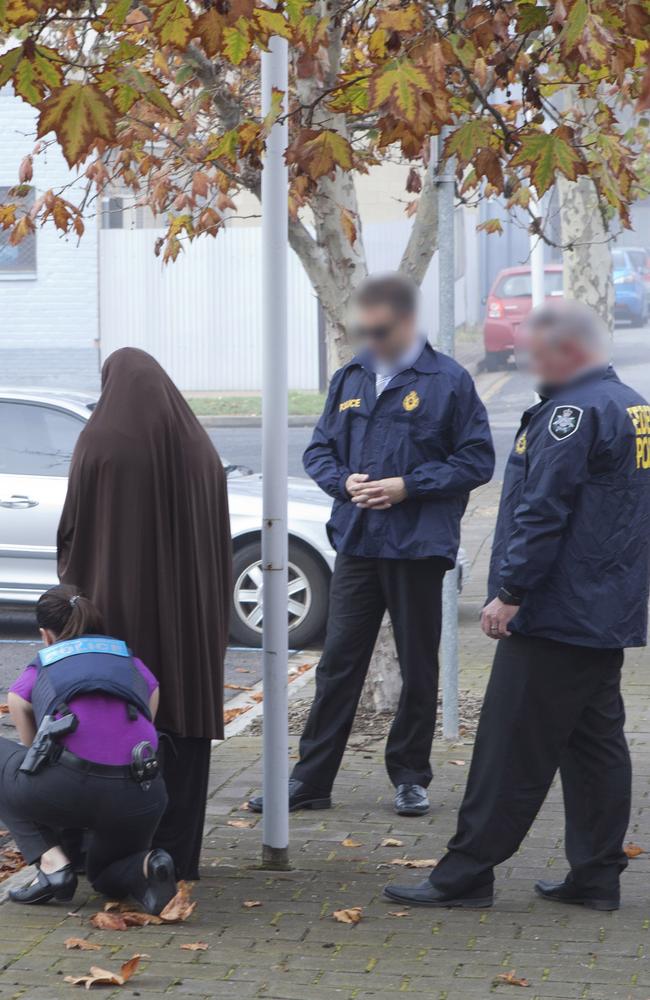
x,y
88,644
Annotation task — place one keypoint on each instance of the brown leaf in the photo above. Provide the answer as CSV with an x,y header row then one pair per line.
x,y
348,225
352,915
409,863
241,824
26,170
392,842
399,913
108,922
257,697
244,807
195,946
633,850
233,713
80,944
413,181
4,709
458,763
238,687
104,977
180,907
512,979
251,904
348,842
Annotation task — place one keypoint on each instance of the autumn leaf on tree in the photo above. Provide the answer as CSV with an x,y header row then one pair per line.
x,y
400,85
79,114
547,154
317,153
172,21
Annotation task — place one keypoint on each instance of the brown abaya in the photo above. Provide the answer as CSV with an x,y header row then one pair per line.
x,y
145,534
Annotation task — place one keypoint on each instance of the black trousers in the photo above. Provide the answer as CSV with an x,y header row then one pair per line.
x,y
186,770
119,815
548,705
361,591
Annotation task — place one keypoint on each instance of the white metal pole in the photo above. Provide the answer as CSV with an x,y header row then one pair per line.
x,y
537,260
275,840
446,338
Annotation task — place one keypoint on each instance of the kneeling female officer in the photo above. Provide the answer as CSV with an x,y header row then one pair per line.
x,y
100,776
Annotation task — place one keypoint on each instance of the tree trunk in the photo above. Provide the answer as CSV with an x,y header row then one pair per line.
x,y
587,262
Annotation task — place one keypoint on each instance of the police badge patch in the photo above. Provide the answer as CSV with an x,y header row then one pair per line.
x,y
564,421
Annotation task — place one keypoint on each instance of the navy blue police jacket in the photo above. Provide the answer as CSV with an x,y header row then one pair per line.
x,y
573,530
427,426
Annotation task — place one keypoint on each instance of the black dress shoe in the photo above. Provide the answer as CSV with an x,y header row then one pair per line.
x,y
158,887
425,894
300,797
566,892
60,885
411,800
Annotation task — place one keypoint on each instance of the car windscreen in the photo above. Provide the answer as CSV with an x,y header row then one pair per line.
x,y
638,258
520,286
620,260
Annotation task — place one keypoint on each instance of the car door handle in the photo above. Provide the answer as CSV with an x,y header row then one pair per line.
x,y
19,502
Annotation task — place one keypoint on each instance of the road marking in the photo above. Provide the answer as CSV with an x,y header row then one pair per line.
x,y
496,386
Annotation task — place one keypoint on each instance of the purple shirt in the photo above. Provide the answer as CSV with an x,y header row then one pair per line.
x,y
105,733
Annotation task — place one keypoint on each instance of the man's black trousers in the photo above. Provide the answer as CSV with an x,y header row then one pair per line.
x,y
548,705
361,591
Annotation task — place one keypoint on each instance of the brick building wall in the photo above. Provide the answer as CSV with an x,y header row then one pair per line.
x,y
48,315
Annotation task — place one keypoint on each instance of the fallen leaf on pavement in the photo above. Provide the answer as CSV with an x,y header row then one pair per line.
x,y
512,979
232,713
10,861
241,824
242,670
195,946
294,673
398,913
352,915
392,842
180,907
244,807
80,944
4,709
238,687
633,850
257,697
108,922
410,863
348,842
458,763
103,977
250,904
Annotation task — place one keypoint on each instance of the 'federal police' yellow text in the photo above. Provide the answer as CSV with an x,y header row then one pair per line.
x,y
640,417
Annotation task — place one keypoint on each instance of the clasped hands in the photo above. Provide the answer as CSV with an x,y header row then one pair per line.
x,y
377,494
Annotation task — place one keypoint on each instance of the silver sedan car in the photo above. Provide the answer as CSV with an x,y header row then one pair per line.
x,y
38,432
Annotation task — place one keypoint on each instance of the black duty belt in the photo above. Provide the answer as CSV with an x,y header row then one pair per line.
x,y
70,760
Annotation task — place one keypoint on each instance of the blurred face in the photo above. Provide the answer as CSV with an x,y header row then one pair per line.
x,y
552,361
382,331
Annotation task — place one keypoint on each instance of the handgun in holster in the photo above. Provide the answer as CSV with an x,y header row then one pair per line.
x,y
45,747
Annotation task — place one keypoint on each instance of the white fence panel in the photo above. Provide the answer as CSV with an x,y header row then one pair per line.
x,y
200,316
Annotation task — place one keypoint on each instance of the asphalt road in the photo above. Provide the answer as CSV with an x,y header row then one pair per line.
x,y
507,394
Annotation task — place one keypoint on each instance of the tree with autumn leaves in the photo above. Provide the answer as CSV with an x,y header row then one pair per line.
x,y
162,98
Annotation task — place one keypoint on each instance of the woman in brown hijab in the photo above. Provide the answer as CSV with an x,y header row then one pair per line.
x,y
145,534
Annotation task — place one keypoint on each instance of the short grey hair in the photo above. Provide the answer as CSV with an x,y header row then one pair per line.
x,y
571,320
394,289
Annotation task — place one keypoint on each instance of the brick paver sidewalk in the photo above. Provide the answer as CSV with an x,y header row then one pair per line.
x,y
290,947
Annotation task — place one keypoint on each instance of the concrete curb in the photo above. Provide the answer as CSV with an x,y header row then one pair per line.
x,y
235,421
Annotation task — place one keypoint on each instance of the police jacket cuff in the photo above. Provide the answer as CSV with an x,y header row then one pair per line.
x,y
510,595
411,486
342,489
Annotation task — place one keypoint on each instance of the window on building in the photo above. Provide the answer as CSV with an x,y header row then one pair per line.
x,y
19,260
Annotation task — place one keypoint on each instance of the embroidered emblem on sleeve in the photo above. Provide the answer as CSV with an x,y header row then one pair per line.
x,y
564,421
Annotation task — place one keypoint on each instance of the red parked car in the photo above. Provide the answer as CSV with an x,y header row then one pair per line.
x,y
509,302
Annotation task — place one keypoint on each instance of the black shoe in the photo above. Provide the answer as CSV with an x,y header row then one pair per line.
x,y
411,800
565,892
158,887
425,894
60,885
300,797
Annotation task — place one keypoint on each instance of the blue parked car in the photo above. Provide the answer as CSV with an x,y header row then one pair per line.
x,y
631,300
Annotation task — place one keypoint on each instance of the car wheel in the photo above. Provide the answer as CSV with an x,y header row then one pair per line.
x,y
494,360
306,598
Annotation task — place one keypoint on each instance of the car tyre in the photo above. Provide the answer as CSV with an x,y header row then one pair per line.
x,y
495,360
304,567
